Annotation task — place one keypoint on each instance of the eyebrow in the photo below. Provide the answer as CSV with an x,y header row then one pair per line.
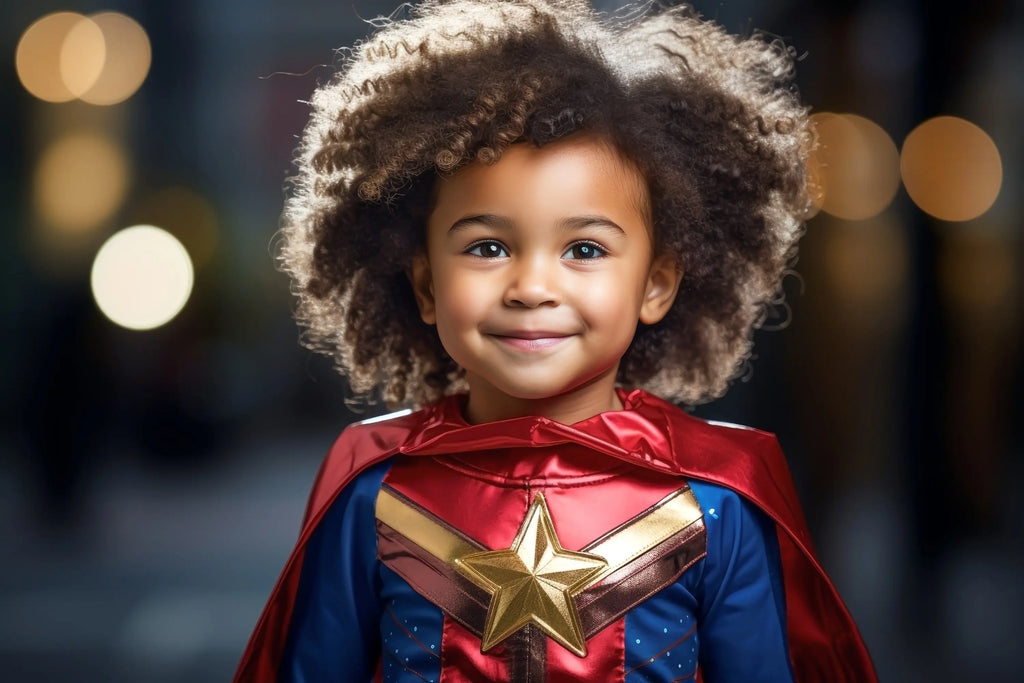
x,y
572,223
488,219
598,221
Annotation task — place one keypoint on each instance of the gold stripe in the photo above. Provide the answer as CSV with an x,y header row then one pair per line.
x,y
421,529
620,547
673,514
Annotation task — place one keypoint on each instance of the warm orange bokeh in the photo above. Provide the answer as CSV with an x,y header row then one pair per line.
x,y
854,173
951,168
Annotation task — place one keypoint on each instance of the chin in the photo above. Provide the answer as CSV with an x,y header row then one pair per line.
x,y
534,393
523,388
540,391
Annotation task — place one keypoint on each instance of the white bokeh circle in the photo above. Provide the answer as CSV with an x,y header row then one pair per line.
x,y
142,277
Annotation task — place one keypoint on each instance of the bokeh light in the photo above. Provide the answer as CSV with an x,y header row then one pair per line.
x,y
39,55
141,277
951,168
102,59
185,214
128,57
80,181
82,56
854,173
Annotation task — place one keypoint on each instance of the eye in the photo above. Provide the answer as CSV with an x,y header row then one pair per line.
x,y
488,249
584,251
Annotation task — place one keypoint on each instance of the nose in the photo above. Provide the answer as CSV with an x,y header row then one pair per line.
x,y
533,283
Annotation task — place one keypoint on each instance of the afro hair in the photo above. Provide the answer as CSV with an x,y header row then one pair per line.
x,y
711,120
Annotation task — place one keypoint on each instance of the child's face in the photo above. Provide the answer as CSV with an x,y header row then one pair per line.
x,y
536,272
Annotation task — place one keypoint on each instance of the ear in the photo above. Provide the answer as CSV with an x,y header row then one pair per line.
x,y
422,280
662,287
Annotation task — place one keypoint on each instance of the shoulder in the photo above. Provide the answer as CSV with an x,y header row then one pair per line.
x,y
734,450
381,433
359,447
746,461
370,440
728,438
697,439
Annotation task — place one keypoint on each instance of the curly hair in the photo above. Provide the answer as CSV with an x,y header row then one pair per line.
x,y
711,120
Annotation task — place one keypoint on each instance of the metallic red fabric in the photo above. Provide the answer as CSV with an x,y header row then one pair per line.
x,y
462,661
608,644
479,505
465,602
491,514
824,641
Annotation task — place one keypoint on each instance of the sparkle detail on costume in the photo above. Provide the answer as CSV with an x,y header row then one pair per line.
x,y
534,581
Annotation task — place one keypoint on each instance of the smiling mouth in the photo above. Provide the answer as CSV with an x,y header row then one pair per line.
x,y
532,341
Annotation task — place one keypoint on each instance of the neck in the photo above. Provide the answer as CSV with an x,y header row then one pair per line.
x,y
488,404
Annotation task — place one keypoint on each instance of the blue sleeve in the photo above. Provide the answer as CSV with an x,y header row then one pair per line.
x,y
742,609
334,632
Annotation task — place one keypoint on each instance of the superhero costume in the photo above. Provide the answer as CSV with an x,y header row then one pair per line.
x,y
618,561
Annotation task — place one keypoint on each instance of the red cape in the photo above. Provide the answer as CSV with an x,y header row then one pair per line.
x,y
823,639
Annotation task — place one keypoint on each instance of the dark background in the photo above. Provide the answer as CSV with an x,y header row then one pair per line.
x,y
151,483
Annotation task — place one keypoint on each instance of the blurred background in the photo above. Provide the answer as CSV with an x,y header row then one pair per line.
x,y
160,424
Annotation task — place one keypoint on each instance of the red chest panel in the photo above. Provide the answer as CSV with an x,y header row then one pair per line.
x,y
485,498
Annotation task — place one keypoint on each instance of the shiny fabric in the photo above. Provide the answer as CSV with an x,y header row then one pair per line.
x,y
731,595
644,555
734,595
649,433
639,555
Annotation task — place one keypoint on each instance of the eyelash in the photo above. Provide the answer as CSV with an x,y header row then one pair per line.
x,y
478,246
600,251
476,249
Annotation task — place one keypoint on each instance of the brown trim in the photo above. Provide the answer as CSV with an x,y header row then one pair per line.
x,y
653,571
435,580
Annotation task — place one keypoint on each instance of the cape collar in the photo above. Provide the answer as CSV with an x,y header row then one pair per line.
x,y
648,432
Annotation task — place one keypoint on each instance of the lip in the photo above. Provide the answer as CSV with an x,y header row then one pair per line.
x,y
531,340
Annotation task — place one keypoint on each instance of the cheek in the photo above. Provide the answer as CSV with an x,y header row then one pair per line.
x,y
456,304
450,320
618,296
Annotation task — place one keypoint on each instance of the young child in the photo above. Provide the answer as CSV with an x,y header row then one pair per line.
x,y
516,213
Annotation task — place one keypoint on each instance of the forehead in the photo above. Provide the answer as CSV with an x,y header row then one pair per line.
x,y
579,174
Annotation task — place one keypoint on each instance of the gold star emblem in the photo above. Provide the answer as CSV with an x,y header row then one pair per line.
x,y
535,580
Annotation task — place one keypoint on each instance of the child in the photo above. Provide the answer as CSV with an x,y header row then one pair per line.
x,y
508,211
